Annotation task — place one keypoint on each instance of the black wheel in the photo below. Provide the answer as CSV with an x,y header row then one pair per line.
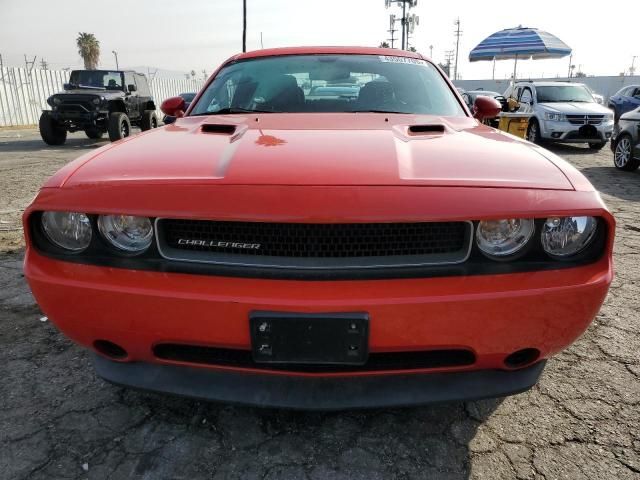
x,y
119,126
149,120
94,133
597,146
623,154
533,132
50,131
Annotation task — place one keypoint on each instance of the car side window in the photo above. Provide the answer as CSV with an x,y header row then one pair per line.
x,y
636,93
526,96
128,80
467,99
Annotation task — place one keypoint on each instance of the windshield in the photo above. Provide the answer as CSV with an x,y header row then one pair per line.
x,y
329,83
99,79
564,93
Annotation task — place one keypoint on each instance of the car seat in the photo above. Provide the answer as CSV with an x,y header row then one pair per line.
x,y
376,95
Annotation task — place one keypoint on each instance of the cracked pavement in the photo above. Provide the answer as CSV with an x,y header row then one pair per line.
x,y
58,420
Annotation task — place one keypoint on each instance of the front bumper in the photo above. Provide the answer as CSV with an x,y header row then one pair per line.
x,y
305,393
568,133
491,316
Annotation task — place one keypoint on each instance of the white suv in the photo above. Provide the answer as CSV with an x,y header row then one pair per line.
x,y
563,112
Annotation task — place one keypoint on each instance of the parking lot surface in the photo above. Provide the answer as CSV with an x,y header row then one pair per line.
x,y
58,420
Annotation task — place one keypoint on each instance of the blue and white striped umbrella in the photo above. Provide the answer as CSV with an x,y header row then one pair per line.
x,y
520,43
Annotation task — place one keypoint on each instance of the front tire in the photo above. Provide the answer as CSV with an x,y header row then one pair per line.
x,y
50,131
94,133
533,132
119,126
597,146
149,120
623,155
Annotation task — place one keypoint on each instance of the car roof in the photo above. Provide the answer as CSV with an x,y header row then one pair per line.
x,y
551,84
270,52
482,91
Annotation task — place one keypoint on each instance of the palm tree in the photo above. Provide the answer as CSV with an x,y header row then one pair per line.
x,y
89,49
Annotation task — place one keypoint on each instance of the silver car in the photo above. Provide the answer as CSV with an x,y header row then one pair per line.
x,y
626,141
563,112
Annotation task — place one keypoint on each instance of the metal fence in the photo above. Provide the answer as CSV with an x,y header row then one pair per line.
x,y
24,93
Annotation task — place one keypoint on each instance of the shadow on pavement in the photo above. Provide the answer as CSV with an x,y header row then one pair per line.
x,y
13,145
426,442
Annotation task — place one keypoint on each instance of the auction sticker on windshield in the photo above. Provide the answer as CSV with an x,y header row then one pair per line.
x,y
393,59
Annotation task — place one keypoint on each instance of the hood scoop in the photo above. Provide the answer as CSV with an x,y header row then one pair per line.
x,y
426,129
219,128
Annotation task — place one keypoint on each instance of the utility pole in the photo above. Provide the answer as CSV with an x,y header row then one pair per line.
x,y
44,65
448,56
29,64
244,25
431,51
115,54
632,70
457,33
392,29
404,24
405,20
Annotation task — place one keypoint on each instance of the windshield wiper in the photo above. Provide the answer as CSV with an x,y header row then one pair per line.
x,y
228,110
378,111
79,85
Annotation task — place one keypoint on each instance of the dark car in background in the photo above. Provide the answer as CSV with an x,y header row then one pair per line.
x,y
627,99
188,98
470,96
99,102
626,141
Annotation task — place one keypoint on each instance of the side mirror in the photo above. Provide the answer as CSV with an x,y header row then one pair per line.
x,y
486,108
173,107
132,88
66,86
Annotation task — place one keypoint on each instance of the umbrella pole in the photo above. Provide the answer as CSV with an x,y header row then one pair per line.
x,y
515,69
494,68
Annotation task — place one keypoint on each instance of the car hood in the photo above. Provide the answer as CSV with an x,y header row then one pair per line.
x,y
321,149
108,94
576,108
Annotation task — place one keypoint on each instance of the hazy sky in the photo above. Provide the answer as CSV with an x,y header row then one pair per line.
x,y
199,34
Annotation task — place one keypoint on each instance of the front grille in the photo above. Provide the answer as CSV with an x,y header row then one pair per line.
x,y
386,361
585,119
314,245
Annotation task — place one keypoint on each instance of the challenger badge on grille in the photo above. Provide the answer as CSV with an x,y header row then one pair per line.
x,y
217,244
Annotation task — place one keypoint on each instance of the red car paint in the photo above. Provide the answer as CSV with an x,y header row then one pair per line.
x,y
322,168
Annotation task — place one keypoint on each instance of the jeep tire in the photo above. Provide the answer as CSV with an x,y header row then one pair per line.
x,y
119,126
50,131
94,133
149,120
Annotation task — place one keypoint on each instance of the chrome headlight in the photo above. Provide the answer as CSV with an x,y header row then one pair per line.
x,y
555,117
68,230
566,236
125,232
503,238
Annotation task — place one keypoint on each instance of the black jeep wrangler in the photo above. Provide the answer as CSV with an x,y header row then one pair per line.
x,y
99,102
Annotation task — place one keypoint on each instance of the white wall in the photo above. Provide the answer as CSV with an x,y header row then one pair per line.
x,y
23,94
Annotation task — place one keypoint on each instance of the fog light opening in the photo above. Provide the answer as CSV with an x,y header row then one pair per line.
x,y
110,349
522,358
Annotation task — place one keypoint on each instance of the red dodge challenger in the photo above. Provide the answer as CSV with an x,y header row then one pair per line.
x,y
323,228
